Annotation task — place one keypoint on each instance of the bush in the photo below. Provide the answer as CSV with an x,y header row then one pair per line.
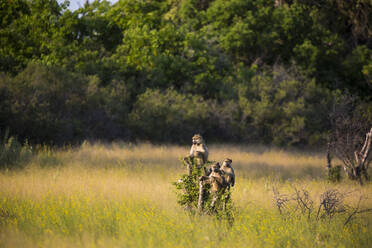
x,y
13,153
169,115
282,107
334,174
188,195
50,105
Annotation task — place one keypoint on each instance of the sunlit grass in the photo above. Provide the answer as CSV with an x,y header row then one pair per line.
x,y
120,195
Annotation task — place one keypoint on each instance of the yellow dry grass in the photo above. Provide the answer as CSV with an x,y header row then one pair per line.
x,y
120,195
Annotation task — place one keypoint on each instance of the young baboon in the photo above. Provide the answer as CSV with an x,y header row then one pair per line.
x,y
217,179
228,172
217,182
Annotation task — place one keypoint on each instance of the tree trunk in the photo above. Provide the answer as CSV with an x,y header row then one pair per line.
x,y
188,165
329,159
357,167
201,196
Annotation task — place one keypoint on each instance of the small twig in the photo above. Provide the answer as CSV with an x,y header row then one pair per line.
x,y
357,211
280,200
320,207
188,165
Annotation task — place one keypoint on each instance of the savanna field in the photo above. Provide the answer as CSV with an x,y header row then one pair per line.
x,y
121,195
294,75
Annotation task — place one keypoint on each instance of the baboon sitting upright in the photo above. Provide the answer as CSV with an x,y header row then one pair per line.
x,y
228,172
198,152
217,181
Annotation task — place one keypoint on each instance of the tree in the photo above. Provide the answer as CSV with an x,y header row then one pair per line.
x,y
351,138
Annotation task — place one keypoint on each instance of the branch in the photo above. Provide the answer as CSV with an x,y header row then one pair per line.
x,y
356,157
188,165
365,143
364,210
357,211
354,212
329,158
366,148
280,200
347,162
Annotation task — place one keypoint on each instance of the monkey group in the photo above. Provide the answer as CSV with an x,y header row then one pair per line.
x,y
219,177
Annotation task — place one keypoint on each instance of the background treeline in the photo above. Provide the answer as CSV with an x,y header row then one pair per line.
x,y
256,71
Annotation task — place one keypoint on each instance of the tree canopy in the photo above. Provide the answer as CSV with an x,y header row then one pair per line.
x,y
257,71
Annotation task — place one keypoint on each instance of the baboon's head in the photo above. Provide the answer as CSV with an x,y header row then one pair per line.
x,y
197,139
227,162
215,167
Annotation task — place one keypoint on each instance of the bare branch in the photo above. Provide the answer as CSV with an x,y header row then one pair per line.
x,y
280,200
356,157
365,143
349,142
188,165
364,210
353,212
329,158
366,148
201,196
332,202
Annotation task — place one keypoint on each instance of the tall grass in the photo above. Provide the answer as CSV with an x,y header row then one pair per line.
x,y
12,153
120,195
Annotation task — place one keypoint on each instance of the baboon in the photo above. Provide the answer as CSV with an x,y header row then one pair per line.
x,y
228,172
217,181
198,152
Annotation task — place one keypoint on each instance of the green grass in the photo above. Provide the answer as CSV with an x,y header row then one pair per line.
x,y
121,196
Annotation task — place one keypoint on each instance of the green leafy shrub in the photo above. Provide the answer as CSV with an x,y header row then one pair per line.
x,y
189,188
283,107
46,157
169,115
13,153
334,174
188,194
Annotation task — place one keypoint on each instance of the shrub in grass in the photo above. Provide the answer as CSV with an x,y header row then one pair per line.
x,y
188,194
13,153
334,174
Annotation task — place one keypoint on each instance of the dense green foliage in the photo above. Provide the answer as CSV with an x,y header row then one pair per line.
x,y
237,70
188,193
12,153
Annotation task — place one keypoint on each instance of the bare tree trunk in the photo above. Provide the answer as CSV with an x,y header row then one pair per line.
x,y
188,165
214,199
201,196
329,159
355,161
362,158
